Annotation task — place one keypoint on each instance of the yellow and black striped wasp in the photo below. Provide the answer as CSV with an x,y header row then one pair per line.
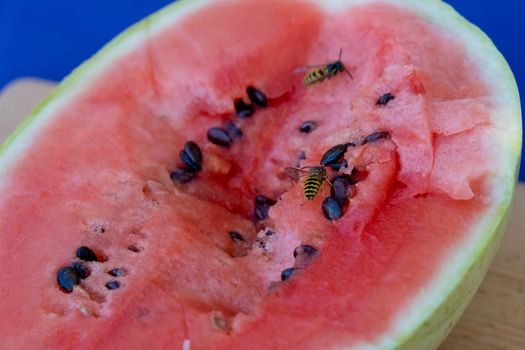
x,y
321,72
315,177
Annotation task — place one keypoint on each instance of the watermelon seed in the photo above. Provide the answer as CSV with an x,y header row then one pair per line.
x,y
81,270
287,273
347,179
264,200
233,130
339,192
270,233
262,206
67,278
134,248
113,285
191,156
257,97
182,175
376,136
117,272
308,126
384,99
236,237
242,109
219,137
339,165
304,249
86,254
335,154
331,209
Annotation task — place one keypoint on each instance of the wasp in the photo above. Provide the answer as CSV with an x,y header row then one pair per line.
x,y
315,177
326,71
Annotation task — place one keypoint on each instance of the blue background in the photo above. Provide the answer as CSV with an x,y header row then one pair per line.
x,y
49,38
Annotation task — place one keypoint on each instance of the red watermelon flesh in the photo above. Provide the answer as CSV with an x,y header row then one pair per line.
x,y
98,175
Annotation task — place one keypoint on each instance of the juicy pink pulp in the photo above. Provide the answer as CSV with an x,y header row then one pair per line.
x,y
104,161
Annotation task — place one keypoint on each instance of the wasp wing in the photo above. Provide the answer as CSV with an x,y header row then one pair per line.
x,y
308,68
295,173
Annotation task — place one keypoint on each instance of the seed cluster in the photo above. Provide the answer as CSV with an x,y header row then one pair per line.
x,y
342,186
222,136
303,255
341,190
69,276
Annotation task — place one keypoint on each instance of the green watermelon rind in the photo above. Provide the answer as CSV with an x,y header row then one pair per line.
x,y
432,323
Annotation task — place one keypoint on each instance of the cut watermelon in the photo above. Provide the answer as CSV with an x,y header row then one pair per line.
x,y
146,203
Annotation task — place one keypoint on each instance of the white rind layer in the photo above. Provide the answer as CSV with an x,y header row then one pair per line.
x,y
433,312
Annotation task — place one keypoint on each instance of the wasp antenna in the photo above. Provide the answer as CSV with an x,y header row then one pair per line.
x,y
340,53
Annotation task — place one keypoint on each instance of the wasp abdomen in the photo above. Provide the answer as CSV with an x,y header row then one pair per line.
x,y
316,75
311,186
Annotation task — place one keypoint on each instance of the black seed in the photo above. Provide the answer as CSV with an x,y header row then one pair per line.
x,y
191,155
233,130
236,236
270,233
287,273
341,164
117,272
261,211
376,136
384,99
304,249
335,155
347,179
86,254
113,285
264,200
194,167
242,109
67,278
308,126
339,192
81,270
134,249
262,206
331,209
257,97
182,175
219,137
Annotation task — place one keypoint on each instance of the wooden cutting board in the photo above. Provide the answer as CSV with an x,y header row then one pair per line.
x,y
495,319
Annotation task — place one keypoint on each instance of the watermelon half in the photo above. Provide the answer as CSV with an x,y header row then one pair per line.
x,y
110,238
